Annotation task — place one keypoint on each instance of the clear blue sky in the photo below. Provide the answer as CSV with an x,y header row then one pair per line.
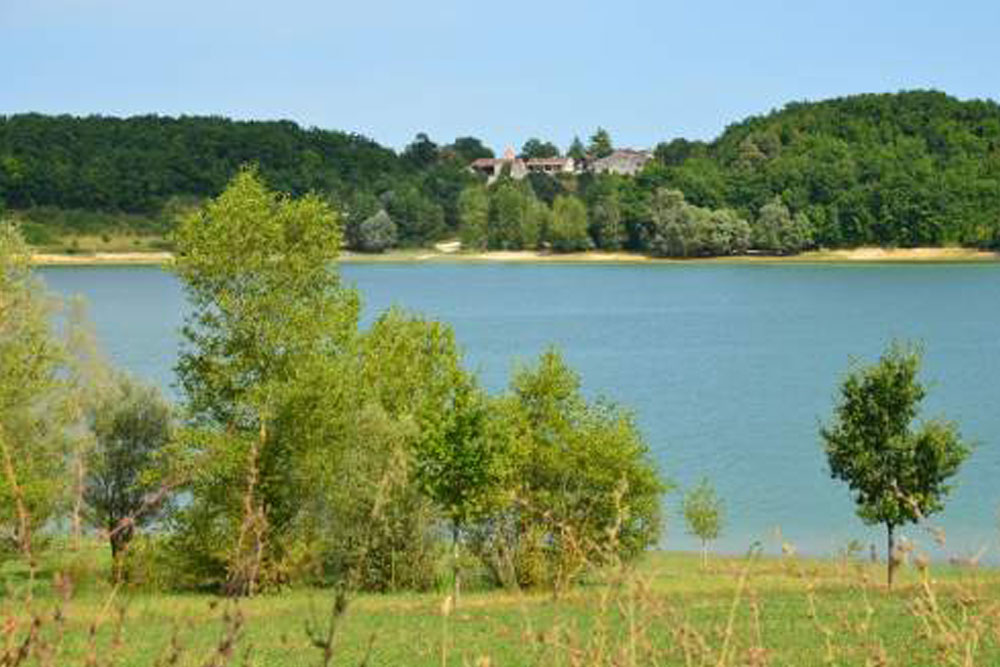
x,y
503,70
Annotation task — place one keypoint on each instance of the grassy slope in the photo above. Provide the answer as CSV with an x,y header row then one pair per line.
x,y
785,610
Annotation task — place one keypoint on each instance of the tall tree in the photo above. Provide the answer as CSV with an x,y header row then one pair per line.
x,y
568,232
576,149
33,415
258,269
703,514
474,215
899,474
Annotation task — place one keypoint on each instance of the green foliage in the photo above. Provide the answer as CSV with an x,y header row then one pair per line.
x,y
377,233
474,213
576,150
778,232
586,491
536,148
568,232
600,144
467,149
267,303
33,398
898,474
132,424
516,217
703,513
605,213
679,229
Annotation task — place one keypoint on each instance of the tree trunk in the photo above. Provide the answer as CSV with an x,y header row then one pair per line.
x,y
455,564
890,560
704,554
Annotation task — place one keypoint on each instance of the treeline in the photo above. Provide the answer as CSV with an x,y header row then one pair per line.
x,y
905,169
307,450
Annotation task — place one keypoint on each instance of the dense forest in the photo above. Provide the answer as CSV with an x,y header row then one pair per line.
x,y
906,169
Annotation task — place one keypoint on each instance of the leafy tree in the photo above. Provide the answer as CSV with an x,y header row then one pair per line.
x,y
33,415
568,232
267,302
605,214
417,218
536,148
132,424
583,473
377,233
468,149
704,514
777,231
576,150
898,473
421,152
600,143
474,214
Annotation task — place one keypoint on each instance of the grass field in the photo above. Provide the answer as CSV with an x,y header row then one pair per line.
x,y
668,611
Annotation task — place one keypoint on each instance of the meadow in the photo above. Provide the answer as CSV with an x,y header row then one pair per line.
x,y
666,610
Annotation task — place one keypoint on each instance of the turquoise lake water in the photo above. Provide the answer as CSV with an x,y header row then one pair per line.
x,y
730,368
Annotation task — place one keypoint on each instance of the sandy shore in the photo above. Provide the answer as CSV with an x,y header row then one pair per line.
x,y
450,254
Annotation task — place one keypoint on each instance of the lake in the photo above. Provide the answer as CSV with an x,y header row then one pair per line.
x,y
730,368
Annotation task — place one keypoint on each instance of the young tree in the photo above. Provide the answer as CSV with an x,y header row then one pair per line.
x,y
704,515
132,423
898,473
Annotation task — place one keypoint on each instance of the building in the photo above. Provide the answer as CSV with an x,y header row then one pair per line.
x,y
519,167
624,161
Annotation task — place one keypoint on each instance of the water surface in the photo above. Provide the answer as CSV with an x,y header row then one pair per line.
x,y
730,368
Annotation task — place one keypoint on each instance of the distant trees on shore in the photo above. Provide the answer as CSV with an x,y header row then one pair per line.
x,y
906,169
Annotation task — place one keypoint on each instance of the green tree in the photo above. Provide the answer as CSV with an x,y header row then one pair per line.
x,y
899,474
605,214
377,233
468,149
568,232
474,216
536,148
267,302
132,424
777,231
600,144
704,515
33,414
587,492
576,149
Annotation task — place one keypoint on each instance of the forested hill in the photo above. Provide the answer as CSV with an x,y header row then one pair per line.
x,y
135,164
911,168
904,169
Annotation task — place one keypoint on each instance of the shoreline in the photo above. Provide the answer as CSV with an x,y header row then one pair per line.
x,y
864,255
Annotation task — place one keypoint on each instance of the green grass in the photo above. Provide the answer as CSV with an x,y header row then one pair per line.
x,y
782,611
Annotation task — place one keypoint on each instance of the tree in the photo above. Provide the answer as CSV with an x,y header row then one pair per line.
x,y
132,425
605,213
474,217
898,474
600,144
421,152
704,515
267,302
587,492
536,148
33,415
468,149
779,232
576,150
568,232
377,233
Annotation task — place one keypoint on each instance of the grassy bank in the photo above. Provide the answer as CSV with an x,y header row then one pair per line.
x,y
773,611
95,252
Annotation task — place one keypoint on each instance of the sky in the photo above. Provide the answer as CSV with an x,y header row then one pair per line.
x,y
503,71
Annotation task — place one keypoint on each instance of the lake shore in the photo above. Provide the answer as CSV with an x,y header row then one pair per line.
x,y
855,255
